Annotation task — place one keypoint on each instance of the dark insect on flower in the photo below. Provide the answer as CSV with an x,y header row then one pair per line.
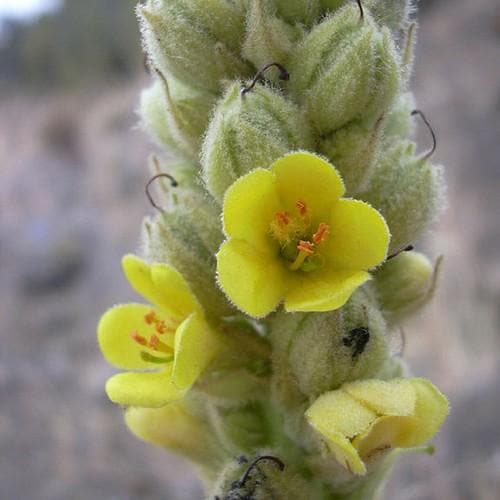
x,y
357,339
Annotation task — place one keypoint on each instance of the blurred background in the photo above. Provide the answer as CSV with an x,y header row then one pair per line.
x,y
73,168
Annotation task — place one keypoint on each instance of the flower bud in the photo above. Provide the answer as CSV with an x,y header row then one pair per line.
x,y
353,150
331,5
224,19
391,13
249,131
268,38
177,428
181,45
153,112
188,112
327,349
263,476
404,284
408,191
347,68
398,122
187,237
299,11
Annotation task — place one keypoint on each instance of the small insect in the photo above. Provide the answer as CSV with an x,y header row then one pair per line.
x,y
357,339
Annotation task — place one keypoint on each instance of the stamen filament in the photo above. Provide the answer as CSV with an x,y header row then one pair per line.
x,y
157,345
305,249
322,233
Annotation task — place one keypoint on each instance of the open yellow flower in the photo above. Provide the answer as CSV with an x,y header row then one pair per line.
x,y
292,237
169,344
364,419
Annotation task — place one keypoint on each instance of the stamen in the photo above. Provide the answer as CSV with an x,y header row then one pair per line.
x,y
305,248
160,327
282,218
150,317
157,345
302,207
322,233
138,338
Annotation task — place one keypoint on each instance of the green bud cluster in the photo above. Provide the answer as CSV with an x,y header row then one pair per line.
x,y
237,85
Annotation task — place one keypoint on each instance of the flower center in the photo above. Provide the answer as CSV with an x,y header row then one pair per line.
x,y
299,240
157,336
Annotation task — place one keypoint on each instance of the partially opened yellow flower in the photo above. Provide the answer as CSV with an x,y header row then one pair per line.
x,y
364,419
169,344
292,237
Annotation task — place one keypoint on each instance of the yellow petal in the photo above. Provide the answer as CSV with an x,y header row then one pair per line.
x,y
148,389
114,336
161,284
385,433
338,418
249,207
393,397
196,344
181,301
255,282
359,236
171,427
322,290
306,177
431,409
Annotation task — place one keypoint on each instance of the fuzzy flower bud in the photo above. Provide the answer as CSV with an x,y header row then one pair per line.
x,y
179,43
250,131
298,11
408,191
328,349
186,111
353,150
404,284
347,68
268,38
153,113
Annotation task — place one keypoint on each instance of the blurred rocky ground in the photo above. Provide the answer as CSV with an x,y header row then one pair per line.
x,y
73,167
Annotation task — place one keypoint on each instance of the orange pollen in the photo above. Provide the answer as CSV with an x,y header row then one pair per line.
x,y
282,218
160,327
153,342
150,317
306,247
302,208
321,234
138,338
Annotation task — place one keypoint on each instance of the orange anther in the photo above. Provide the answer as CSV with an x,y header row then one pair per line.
x,y
306,247
153,342
150,317
138,338
160,327
321,234
282,218
302,208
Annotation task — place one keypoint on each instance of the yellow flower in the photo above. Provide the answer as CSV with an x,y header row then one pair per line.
x,y
291,236
169,344
362,420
